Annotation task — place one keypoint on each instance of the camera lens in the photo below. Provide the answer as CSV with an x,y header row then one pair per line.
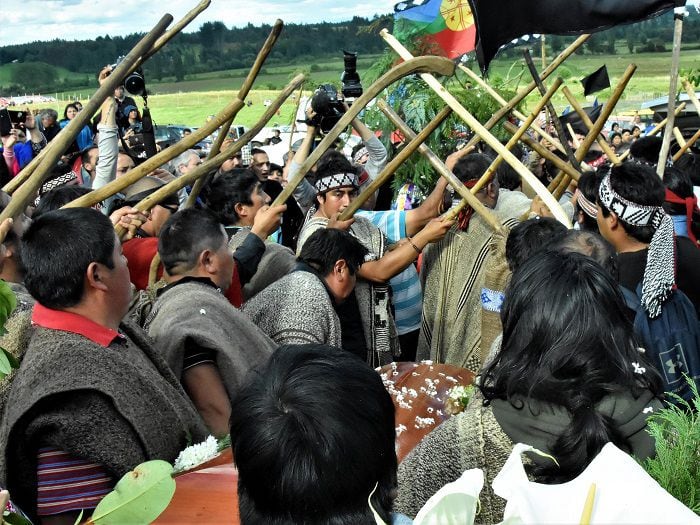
x,y
135,83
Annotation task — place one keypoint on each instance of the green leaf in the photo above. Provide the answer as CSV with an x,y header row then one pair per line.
x,y
139,497
79,518
14,363
8,300
5,365
12,518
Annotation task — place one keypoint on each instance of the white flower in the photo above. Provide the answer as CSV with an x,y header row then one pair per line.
x,y
638,369
648,410
196,454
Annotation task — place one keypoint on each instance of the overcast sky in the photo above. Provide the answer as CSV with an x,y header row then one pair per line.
x,y
29,20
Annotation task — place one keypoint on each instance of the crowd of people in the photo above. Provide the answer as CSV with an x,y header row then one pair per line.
x,y
265,322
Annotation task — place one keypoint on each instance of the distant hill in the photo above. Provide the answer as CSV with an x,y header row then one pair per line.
x,y
61,65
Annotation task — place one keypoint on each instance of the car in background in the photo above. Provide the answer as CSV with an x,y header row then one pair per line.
x,y
165,136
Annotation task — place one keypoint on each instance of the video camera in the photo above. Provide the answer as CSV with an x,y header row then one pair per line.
x,y
134,83
325,103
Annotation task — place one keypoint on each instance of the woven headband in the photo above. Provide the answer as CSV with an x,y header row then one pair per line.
x,y
659,273
359,154
588,207
337,180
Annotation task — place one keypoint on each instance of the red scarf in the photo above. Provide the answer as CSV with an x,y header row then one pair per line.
x,y
691,207
466,214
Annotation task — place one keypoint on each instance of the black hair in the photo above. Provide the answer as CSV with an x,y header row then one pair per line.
x,y
58,197
625,130
639,184
567,340
529,237
679,183
614,134
508,178
318,421
185,235
646,150
591,244
588,185
85,154
257,151
133,200
635,127
332,162
327,246
222,194
471,167
615,124
71,105
57,249
690,163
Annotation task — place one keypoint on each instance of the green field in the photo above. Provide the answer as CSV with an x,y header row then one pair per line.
x,y
189,102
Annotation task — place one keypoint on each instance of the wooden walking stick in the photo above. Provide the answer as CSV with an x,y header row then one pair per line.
x,y
394,164
294,118
692,140
542,151
662,124
498,98
487,137
500,114
213,163
248,83
162,40
589,124
516,137
25,193
439,65
678,13
691,94
440,167
242,94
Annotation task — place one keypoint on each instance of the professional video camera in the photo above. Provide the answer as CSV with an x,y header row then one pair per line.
x,y
352,88
134,83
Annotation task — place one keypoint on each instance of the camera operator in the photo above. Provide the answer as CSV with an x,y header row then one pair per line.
x,y
18,154
372,158
123,101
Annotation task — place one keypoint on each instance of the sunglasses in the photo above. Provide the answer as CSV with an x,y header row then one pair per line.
x,y
172,208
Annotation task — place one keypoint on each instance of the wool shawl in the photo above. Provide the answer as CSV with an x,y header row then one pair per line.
x,y
452,276
197,313
117,406
296,310
276,262
380,334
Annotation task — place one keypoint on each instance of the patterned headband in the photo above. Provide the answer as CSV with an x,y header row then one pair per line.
x,y
337,180
588,207
660,271
629,212
359,154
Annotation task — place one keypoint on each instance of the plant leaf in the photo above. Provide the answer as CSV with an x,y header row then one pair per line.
x,y
14,363
139,497
80,517
12,518
5,365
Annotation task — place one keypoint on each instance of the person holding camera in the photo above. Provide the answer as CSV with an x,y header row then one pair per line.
x,y
18,154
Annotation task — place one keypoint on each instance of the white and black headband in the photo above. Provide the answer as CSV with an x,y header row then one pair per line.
x,y
337,180
659,273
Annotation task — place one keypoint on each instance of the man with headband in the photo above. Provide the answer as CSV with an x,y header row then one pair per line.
x,y
631,218
367,324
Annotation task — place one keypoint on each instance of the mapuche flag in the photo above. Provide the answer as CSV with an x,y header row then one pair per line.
x,y
442,27
500,21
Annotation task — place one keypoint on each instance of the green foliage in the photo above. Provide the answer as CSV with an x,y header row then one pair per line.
x,y
676,466
139,497
692,76
8,303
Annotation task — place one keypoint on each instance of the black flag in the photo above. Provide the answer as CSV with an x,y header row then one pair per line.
x,y
500,21
596,81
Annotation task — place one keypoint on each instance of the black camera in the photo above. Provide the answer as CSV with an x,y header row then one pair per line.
x,y
327,107
134,83
352,88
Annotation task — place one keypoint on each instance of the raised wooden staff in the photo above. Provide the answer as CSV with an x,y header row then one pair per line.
x,y
487,137
18,180
691,94
685,147
552,112
503,102
680,140
242,94
500,114
440,167
603,118
395,163
439,65
213,163
519,133
26,192
589,124
662,124
542,151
